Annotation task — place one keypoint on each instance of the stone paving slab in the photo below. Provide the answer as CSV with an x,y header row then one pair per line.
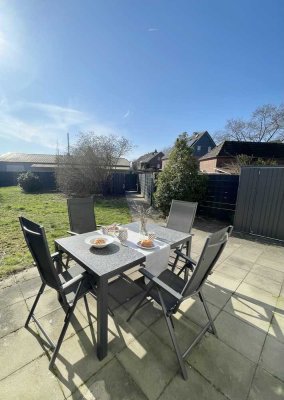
x,y
224,367
195,388
266,387
245,295
17,349
111,382
13,317
150,363
239,335
33,382
272,357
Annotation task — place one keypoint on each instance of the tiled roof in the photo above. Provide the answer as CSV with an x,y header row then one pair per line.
x,y
43,159
147,157
255,149
194,137
28,158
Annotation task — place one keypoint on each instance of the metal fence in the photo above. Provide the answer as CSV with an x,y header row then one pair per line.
x,y
146,185
260,202
221,196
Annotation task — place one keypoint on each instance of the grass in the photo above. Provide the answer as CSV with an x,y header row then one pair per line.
x,y
50,210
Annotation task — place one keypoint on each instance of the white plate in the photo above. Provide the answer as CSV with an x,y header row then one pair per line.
x,y
147,248
90,239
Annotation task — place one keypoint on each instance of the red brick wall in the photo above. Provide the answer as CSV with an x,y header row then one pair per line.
x,y
208,165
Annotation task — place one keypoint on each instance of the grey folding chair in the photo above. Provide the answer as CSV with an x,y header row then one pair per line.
x,y
71,285
81,215
181,218
169,290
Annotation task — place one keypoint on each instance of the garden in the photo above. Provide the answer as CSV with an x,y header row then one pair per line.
x,y
50,210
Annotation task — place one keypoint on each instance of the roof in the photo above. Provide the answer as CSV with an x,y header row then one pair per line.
x,y
148,156
28,158
191,141
195,137
256,149
43,160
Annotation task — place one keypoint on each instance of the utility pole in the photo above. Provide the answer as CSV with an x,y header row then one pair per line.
x,y
68,144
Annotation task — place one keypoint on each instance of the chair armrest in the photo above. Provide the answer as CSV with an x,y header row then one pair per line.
x,y
72,233
55,255
160,284
77,278
187,258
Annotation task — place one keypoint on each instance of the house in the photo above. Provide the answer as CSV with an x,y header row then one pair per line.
x,y
22,162
150,161
219,159
200,142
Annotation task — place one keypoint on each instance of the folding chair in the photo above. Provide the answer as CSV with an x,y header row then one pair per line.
x,y
71,285
81,215
169,290
181,218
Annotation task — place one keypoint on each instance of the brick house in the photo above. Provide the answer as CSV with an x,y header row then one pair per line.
x,y
220,158
150,161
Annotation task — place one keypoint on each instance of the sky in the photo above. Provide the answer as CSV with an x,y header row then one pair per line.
x,y
144,69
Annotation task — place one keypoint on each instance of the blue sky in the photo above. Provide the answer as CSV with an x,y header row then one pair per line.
x,y
145,69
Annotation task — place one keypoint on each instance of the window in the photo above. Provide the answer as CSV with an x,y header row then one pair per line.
x,y
158,166
209,148
158,158
198,148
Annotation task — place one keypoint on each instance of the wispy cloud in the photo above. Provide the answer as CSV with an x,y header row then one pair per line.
x,y
126,114
45,124
153,29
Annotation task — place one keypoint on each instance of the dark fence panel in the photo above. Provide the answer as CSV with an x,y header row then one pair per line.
x,y
147,185
259,209
10,179
131,181
221,196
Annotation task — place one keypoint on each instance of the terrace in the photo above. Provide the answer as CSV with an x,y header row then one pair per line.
x,y
245,296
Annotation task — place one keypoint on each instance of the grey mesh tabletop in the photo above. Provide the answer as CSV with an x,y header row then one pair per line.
x,y
114,258
170,236
108,261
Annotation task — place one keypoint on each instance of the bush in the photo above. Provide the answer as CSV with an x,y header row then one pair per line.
x,y
29,182
181,179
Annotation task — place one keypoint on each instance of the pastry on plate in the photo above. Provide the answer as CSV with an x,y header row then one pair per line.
x,y
147,243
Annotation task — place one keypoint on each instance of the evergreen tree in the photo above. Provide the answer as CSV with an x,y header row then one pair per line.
x,y
180,179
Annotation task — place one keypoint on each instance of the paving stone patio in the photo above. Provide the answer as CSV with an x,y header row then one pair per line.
x,y
245,295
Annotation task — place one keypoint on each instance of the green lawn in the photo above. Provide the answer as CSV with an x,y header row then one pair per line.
x,y
48,209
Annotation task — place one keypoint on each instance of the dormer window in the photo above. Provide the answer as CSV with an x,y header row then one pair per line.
x,y
198,148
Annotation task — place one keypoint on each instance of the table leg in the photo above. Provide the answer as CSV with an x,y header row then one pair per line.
x,y
102,317
187,252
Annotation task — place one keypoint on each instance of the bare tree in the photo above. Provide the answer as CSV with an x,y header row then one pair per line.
x,y
266,124
90,163
243,160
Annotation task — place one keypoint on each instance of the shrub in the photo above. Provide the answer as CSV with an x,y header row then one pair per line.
x,y
181,179
29,182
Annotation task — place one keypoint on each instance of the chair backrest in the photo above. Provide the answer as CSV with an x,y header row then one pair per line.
x,y
212,250
34,235
181,216
81,214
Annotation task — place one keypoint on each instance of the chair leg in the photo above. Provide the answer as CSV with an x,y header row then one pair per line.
x,y
68,316
40,292
139,304
61,337
208,313
173,338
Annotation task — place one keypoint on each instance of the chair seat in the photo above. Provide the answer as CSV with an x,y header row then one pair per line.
x,y
175,282
72,273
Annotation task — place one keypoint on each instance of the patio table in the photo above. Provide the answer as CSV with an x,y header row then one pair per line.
x,y
109,262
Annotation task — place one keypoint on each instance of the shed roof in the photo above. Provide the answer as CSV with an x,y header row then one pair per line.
x,y
256,149
43,159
